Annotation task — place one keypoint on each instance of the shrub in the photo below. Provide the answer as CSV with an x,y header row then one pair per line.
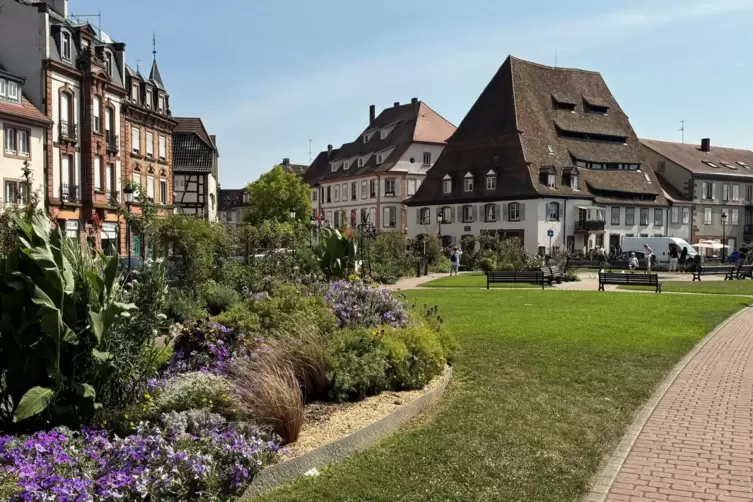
x,y
207,346
488,264
192,421
184,306
391,257
361,304
358,365
443,265
424,356
267,392
218,297
240,318
288,306
505,266
192,390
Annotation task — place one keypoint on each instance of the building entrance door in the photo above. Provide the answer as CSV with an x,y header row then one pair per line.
x,y
614,244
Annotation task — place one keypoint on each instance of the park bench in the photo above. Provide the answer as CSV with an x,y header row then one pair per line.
x,y
728,271
555,272
629,280
745,271
536,277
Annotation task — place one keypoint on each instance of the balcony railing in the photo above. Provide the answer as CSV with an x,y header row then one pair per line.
x,y
589,226
113,142
69,193
68,131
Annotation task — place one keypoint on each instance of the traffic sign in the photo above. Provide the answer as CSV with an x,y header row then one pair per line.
x,y
550,233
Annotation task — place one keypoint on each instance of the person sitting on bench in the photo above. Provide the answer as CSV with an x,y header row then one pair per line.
x,y
633,261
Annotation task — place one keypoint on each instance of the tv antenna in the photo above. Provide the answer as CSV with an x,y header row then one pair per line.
x,y
556,53
310,140
682,130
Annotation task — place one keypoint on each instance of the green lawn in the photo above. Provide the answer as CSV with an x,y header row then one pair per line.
x,y
545,385
472,280
744,287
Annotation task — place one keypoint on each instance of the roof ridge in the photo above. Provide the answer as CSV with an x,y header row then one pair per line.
x,y
422,103
562,68
695,145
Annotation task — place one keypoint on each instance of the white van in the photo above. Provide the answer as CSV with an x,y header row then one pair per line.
x,y
660,246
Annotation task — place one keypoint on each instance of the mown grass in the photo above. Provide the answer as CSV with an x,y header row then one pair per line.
x,y
545,385
744,287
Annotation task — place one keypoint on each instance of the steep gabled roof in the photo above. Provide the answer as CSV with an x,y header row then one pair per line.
x,y
516,128
193,148
692,158
196,126
155,76
230,199
297,169
407,123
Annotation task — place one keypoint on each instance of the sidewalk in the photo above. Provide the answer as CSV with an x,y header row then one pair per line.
x,y
697,442
414,282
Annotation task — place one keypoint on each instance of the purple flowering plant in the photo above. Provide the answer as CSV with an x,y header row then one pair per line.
x,y
357,303
207,346
153,464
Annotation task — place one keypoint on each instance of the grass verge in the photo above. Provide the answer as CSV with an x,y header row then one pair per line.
x,y
710,287
545,385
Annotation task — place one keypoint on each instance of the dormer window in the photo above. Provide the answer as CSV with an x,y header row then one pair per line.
x,y
491,182
548,177
65,45
574,181
108,63
446,185
551,180
333,166
468,183
135,92
148,100
379,158
9,91
360,161
161,103
383,133
346,165
591,107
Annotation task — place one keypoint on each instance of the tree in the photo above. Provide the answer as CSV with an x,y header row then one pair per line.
x,y
274,194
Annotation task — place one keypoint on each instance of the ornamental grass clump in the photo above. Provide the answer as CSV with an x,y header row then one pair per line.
x,y
361,304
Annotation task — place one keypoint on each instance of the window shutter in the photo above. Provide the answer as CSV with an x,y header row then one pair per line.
x,y
474,213
522,211
419,210
703,191
452,214
506,214
714,194
398,193
498,212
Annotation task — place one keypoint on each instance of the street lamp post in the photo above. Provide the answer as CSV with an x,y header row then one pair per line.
x,y
724,237
440,218
128,191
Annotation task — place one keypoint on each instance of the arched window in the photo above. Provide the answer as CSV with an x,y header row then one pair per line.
x,y
553,211
67,125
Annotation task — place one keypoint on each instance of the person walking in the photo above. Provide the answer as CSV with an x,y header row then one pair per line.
x,y
673,258
649,255
455,260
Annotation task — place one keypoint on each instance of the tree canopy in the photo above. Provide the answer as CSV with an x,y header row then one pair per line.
x,y
275,193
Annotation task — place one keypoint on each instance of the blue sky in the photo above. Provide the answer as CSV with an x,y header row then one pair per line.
x,y
266,76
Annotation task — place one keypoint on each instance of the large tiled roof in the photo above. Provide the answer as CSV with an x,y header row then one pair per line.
x,y
410,122
195,126
26,112
692,158
297,169
516,129
193,147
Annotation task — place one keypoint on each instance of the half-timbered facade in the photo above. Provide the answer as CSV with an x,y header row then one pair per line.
x,y
148,127
195,169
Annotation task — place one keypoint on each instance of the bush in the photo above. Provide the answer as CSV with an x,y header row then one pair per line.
x,y
358,365
191,391
184,306
288,306
218,297
207,346
505,266
360,304
488,264
424,356
268,393
240,319
391,257
443,265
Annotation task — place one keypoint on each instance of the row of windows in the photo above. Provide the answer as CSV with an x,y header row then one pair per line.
x,y
468,184
368,190
354,217
549,179
513,211
380,157
729,192
149,143
732,216
148,101
10,91
150,188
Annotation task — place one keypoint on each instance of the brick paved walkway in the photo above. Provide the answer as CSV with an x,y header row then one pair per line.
x,y
698,442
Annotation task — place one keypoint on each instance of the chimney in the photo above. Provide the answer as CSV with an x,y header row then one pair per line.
x,y
706,145
329,147
397,103
414,102
59,6
372,114
286,162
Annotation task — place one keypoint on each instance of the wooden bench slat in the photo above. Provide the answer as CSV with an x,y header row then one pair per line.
x,y
629,279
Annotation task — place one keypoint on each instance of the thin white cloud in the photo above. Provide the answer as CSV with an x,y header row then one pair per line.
x,y
272,105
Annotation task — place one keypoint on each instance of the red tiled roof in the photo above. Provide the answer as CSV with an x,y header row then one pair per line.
x,y
196,126
692,158
431,127
26,111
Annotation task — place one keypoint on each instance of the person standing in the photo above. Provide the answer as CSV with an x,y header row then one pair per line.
x,y
649,255
455,260
683,257
673,258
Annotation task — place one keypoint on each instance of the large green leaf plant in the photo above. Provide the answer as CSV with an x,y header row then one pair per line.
x,y
337,254
58,301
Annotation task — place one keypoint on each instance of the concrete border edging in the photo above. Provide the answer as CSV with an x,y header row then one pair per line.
x,y
602,483
345,446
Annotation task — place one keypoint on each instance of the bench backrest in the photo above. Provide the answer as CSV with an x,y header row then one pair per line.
x,y
555,271
614,277
506,275
717,269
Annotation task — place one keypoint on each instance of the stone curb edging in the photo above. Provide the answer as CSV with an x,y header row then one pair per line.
x,y
603,481
346,446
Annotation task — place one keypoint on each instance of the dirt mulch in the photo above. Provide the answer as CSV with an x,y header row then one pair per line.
x,y
325,422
